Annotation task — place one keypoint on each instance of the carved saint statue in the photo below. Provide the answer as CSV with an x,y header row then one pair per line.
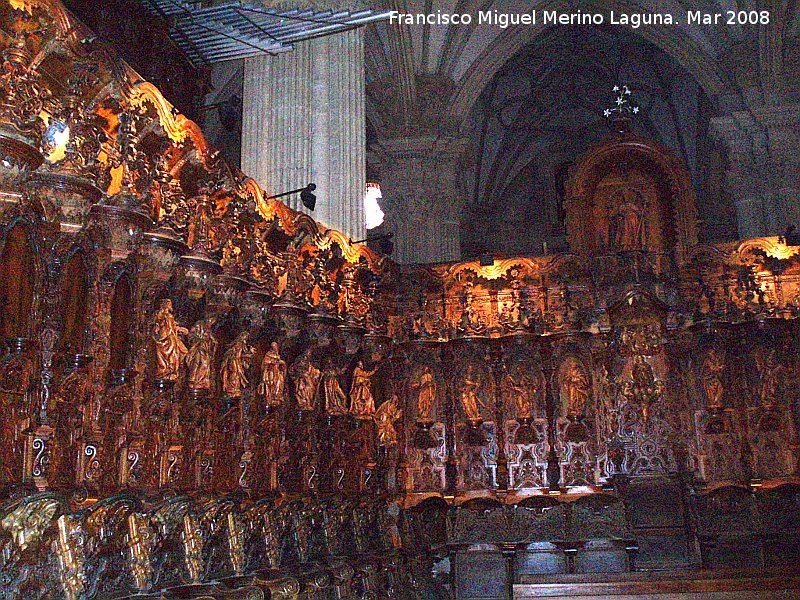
x,y
573,385
200,356
306,379
273,377
643,388
362,404
335,398
630,233
713,367
769,374
234,366
469,399
385,417
524,392
427,394
170,349
642,375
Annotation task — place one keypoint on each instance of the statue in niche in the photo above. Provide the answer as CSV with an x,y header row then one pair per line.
x,y
712,370
524,391
573,386
643,387
362,404
385,417
335,398
606,405
273,377
201,236
469,399
200,356
426,395
629,220
234,366
306,377
170,349
769,374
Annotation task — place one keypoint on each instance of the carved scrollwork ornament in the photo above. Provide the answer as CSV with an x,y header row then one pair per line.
x,y
23,95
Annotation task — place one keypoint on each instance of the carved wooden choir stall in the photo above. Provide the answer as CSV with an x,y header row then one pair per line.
x,y
207,394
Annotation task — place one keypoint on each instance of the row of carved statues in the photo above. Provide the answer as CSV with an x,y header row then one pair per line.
x,y
314,413
171,327
173,357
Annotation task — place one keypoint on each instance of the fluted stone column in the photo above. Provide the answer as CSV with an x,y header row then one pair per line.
x,y
304,121
763,174
421,197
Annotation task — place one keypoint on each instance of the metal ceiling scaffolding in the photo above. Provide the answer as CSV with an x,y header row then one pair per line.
x,y
210,32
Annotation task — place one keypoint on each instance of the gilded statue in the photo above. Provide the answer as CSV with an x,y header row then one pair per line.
x,y
200,357
469,399
306,377
712,370
643,387
273,377
234,366
630,230
385,417
573,385
170,349
335,398
426,395
769,374
16,373
524,391
362,404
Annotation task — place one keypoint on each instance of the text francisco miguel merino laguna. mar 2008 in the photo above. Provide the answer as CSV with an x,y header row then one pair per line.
x,y
554,17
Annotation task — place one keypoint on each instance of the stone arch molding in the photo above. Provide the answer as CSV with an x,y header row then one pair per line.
x,y
693,55
677,199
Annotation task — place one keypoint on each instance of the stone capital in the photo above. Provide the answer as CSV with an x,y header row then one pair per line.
x,y
775,129
420,181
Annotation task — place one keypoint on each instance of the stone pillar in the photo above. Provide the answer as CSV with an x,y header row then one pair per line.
x,y
304,121
763,167
421,198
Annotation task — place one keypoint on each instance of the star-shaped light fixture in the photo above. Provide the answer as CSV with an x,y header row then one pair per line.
x,y
624,107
